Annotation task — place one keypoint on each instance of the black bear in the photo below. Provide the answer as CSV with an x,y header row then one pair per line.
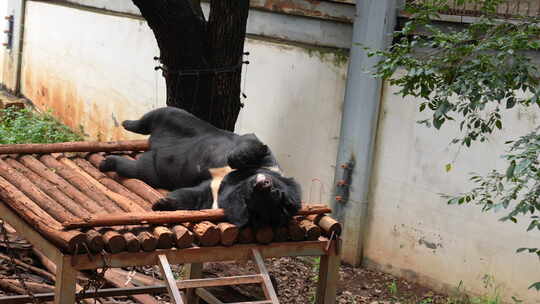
x,y
206,167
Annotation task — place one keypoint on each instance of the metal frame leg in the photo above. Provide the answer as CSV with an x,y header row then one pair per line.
x,y
66,277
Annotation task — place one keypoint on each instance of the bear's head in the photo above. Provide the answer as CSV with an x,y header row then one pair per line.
x,y
260,197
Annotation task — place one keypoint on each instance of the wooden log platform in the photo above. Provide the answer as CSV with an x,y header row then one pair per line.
x,y
84,219
78,208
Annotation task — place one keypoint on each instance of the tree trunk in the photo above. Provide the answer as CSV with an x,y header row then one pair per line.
x,y
201,60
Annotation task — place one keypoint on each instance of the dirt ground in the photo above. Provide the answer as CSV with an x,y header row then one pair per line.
x,y
296,280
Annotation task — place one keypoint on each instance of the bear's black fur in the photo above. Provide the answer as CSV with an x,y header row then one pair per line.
x,y
184,148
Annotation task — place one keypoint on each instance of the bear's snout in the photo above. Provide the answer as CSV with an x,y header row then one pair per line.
x,y
263,182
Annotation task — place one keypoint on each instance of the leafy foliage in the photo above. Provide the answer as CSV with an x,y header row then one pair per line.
x,y
469,74
25,126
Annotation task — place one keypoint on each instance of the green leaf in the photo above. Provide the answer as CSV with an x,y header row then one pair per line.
x,y
521,250
448,167
438,122
510,170
535,286
532,225
510,102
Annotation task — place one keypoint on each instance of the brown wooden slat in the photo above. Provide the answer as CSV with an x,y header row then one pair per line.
x,y
39,219
109,182
169,217
134,185
40,198
121,201
46,173
52,190
83,146
81,183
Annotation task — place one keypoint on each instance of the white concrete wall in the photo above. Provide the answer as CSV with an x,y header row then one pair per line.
x,y
413,233
96,70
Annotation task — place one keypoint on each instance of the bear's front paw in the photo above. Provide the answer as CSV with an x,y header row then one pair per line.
x,y
164,204
108,164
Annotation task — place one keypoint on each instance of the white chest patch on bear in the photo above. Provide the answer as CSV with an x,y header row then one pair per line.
x,y
217,176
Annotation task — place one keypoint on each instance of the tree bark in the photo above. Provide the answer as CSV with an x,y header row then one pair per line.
x,y
201,60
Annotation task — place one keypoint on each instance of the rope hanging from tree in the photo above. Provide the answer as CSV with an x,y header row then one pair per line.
x,y
193,77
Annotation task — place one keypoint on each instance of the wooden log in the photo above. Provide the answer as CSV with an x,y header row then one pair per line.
x,y
114,241
311,231
77,196
228,233
95,241
165,217
15,286
246,235
27,209
110,183
183,238
296,233
327,224
264,235
147,241
82,146
132,243
9,286
117,279
164,237
45,202
134,185
206,234
29,267
50,189
281,234
138,278
81,183
121,201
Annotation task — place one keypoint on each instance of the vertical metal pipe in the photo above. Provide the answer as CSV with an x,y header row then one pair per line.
x,y
373,26
12,64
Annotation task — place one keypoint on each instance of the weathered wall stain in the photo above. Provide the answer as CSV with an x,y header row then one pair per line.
x,y
61,96
310,8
